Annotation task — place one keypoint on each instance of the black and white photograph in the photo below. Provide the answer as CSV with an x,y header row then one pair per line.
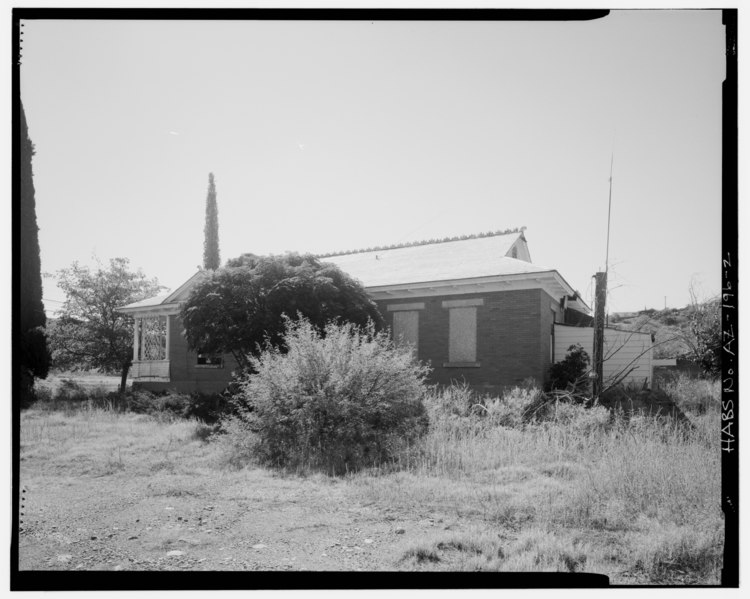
x,y
310,294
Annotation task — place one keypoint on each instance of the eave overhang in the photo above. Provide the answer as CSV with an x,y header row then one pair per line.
x,y
155,310
550,281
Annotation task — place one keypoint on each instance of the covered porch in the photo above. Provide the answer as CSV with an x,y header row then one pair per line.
x,y
151,333
151,348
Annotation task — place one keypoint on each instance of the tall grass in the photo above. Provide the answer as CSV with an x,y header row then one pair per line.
x,y
560,488
576,472
694,396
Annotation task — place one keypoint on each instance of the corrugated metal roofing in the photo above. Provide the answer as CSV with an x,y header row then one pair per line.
x,y
443,261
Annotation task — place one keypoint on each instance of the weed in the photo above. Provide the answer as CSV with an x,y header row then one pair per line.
x,y
694,396
114,461
421,555
678,554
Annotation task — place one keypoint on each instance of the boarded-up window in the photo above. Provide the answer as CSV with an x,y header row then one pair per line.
x,y
406,328
462,331
463,335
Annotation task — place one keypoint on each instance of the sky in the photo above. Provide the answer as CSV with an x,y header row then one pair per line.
x,y
332,136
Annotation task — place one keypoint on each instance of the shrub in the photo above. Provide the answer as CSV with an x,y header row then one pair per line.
x,y
570,373
208,408
515,406
42,394
454,400
707,338
696,396
70,390
176,403
633,399
340,400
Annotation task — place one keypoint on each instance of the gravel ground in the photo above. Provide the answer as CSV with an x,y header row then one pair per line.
x,y
251,520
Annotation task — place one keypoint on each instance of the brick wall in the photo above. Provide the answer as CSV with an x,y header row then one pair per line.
x,y
513,338
513,344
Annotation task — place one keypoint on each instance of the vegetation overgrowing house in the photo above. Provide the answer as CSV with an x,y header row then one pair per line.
x,y
476,308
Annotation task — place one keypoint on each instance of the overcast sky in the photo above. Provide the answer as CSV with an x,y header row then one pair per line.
x,y
327,136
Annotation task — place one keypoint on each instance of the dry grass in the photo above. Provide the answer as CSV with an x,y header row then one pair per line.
x,y
637,500
88,380
100,442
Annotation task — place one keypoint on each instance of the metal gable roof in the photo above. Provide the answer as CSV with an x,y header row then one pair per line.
x,y
443,261
433,262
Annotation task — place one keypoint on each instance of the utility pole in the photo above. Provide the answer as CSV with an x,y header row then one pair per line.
x,y
598,357
601,300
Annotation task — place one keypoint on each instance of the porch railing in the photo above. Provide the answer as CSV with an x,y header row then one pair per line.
x,y
151,370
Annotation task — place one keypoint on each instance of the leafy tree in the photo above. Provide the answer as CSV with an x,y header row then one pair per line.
x,y
33,355
90,332
705,339
211,259
239,307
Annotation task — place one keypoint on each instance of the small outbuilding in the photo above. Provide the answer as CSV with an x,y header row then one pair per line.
x,y
627,355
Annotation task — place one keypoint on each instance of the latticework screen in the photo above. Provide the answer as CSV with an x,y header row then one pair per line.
x,y
153,342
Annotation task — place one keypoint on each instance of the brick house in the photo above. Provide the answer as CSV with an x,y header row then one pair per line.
x,y
475,308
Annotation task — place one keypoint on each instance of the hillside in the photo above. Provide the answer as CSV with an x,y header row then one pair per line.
x,y
671,328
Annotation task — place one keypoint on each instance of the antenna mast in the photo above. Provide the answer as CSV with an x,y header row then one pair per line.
x,y
609,211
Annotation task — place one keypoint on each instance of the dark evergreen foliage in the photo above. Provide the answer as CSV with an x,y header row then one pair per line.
x,y
241,306
34,357
571,372
211,259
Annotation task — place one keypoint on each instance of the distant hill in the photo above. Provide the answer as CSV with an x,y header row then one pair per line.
x,y
670,327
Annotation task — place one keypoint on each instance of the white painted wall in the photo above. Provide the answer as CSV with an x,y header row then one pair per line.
x,y
623,350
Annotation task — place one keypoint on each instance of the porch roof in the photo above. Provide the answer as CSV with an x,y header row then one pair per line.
x,y
157,300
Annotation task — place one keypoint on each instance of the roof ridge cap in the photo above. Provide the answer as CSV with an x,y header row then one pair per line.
x,y
397,246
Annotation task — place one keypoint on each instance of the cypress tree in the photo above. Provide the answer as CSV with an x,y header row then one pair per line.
x,y
34,356
211,259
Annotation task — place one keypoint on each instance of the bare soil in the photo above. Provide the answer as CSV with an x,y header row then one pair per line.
x,y
248,521
132,494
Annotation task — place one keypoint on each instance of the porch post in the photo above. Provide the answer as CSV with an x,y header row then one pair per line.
x,y
166,352
135,338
